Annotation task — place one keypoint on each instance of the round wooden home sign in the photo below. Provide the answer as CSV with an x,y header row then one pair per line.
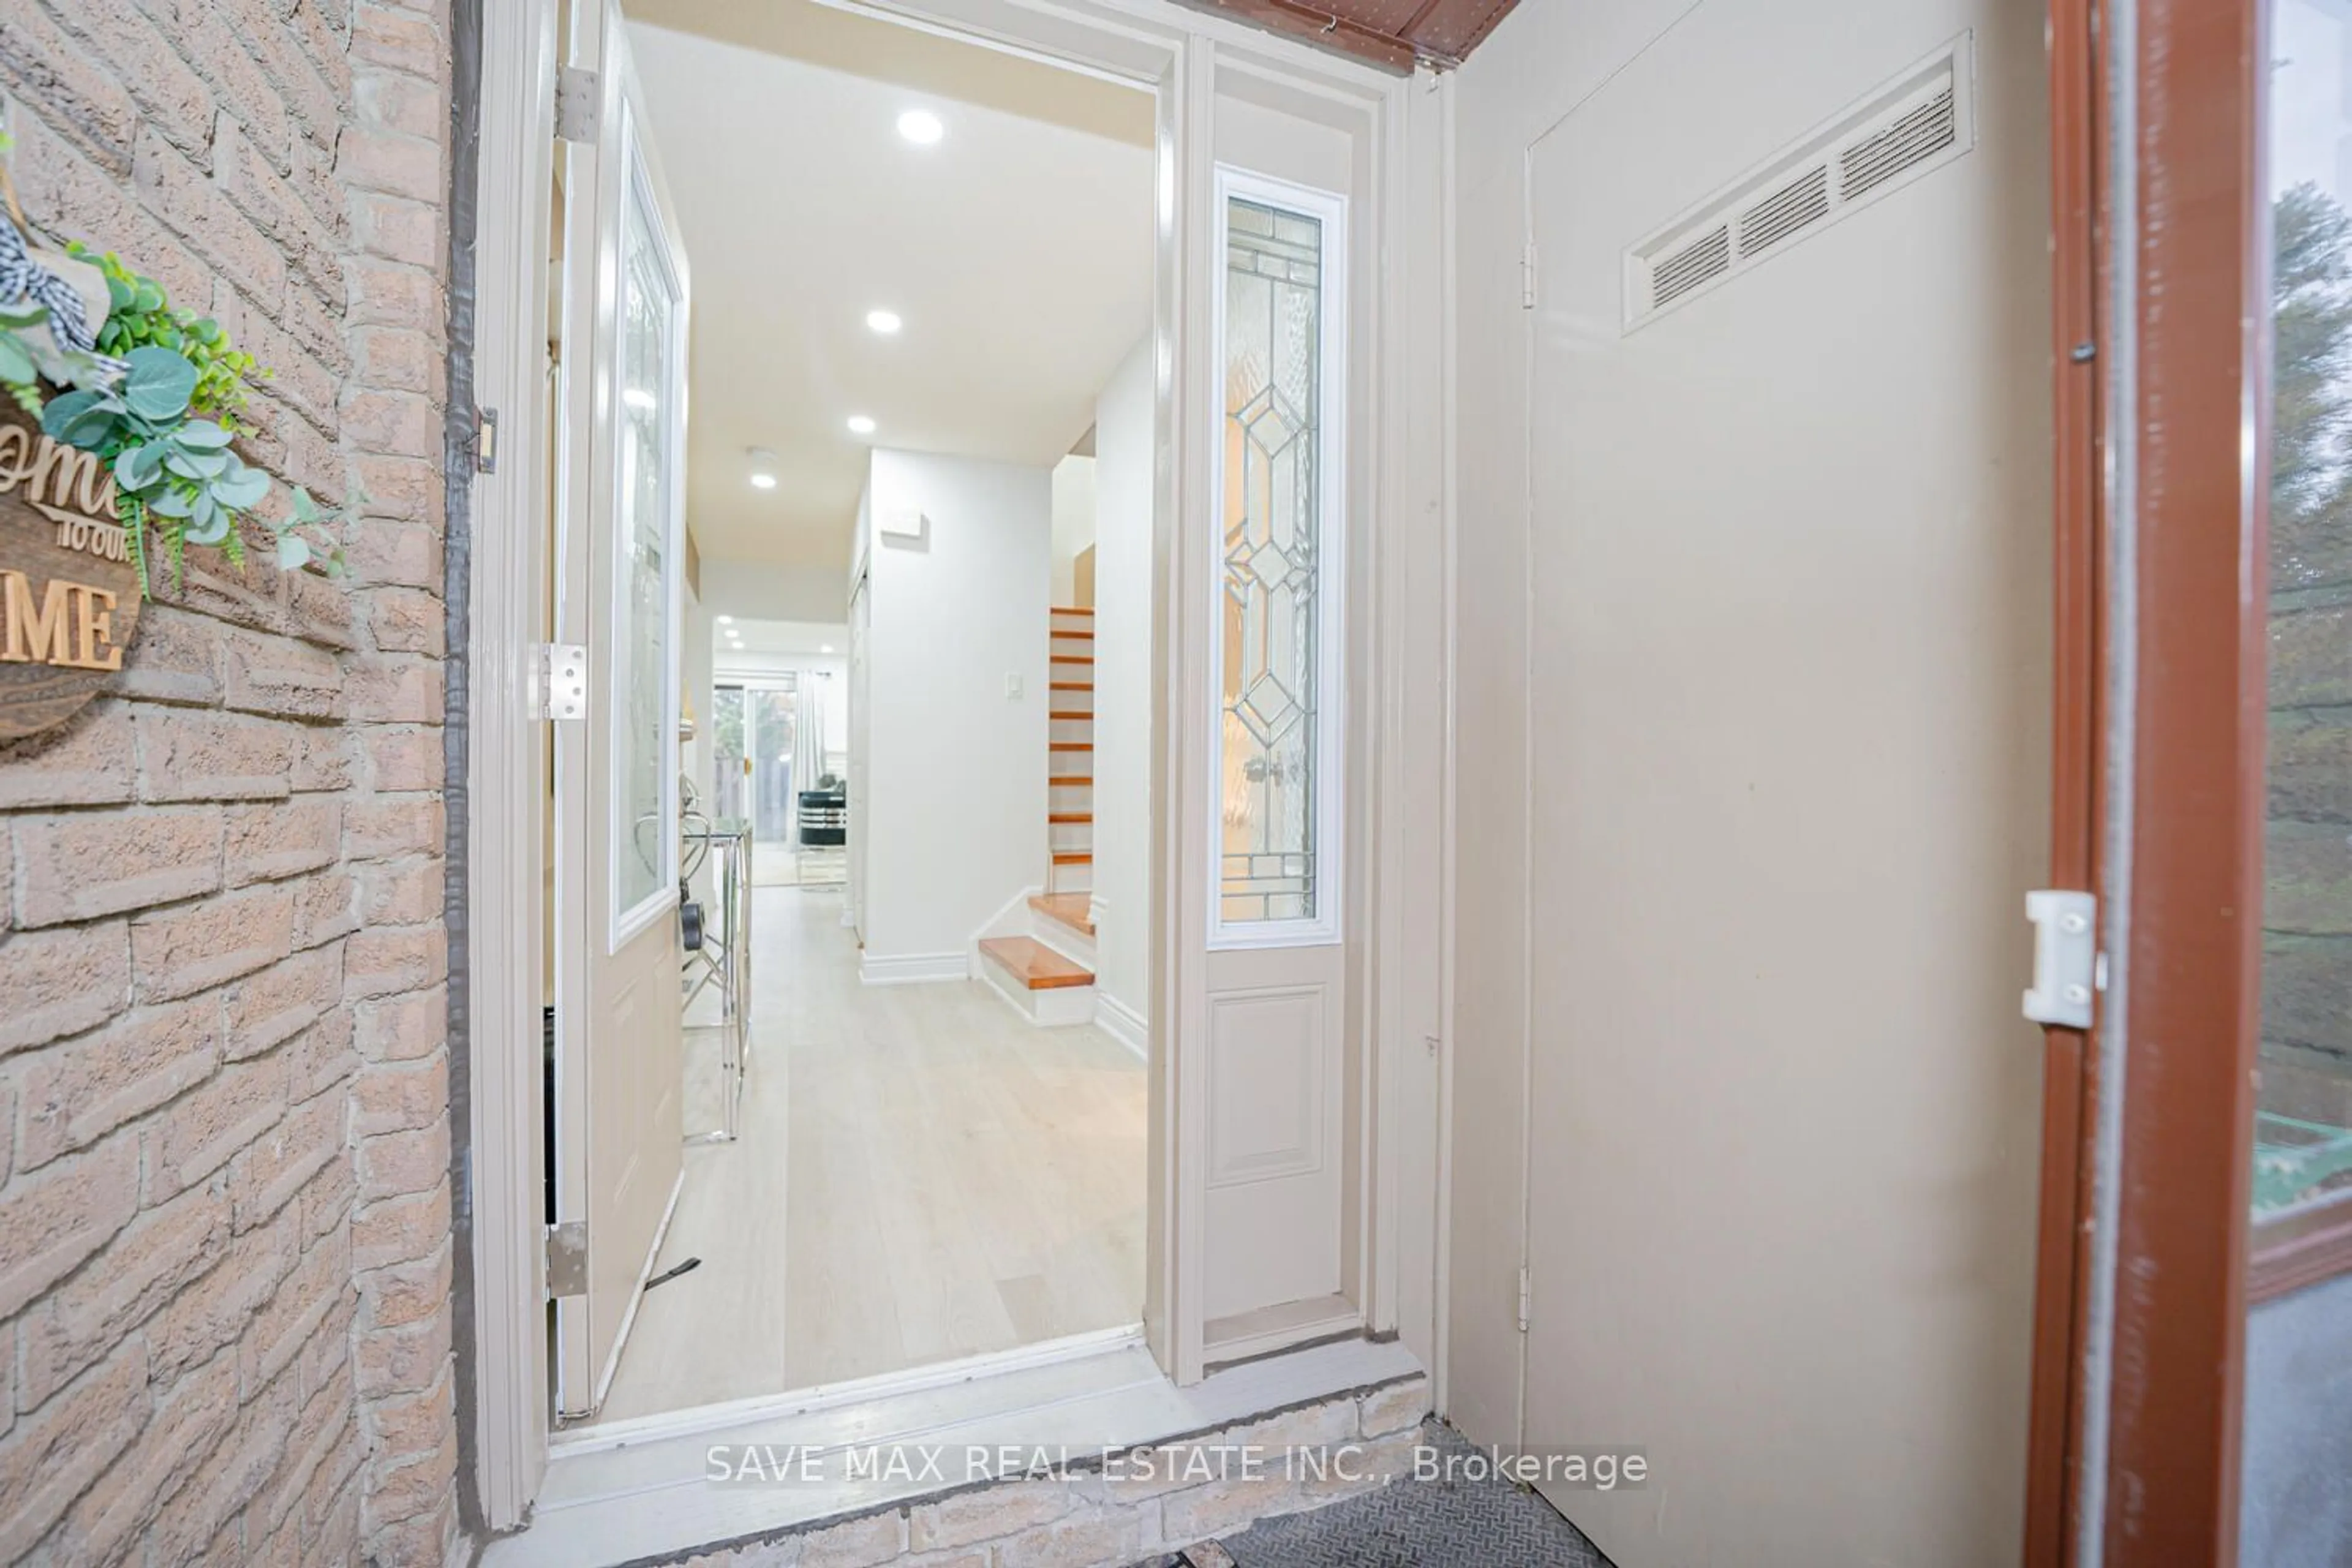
x,y
68,590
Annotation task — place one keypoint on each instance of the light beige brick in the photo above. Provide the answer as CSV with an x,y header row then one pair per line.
x,y
197,1133
266,1009
398,1029
403,1229
1116,1536
60,1450
208,1316
858,1543
390,825
53,1219
412,1161
150,1262
62,982
400,958
86,762
985,1513
185,950
282,838
195,754
397,688
267,1174
405,1098
277,675
83,865
320,1280
1393,1409
85,1088
129,1490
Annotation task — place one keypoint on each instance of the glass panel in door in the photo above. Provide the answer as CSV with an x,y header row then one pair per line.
x,y
775,712
728,754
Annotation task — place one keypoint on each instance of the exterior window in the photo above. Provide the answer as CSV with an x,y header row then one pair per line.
x,y
2303,1125
1276,657
644,653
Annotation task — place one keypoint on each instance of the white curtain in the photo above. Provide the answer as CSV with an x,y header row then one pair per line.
x,y
808,739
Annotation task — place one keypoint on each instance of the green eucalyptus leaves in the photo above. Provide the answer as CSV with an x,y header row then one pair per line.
x,y
158,400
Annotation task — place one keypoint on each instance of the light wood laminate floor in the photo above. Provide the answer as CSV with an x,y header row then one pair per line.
x,y
922,1175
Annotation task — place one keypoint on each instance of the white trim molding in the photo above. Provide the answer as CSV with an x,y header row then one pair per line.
x,y
913,968
1122,1023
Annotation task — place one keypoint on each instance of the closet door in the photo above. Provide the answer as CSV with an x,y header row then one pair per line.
x,y
1789,684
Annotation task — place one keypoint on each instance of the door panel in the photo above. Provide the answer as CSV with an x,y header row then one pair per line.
x,y
620,1130
1789,680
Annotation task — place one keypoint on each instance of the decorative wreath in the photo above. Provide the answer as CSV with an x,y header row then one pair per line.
x,y
98,354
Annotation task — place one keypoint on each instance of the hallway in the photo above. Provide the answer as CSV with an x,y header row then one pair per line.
x,y
922,1176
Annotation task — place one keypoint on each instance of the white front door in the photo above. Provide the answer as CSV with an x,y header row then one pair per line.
x,y
1790,678
622,487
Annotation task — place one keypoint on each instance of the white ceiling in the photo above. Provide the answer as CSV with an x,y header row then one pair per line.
x,y
1017,249
780,636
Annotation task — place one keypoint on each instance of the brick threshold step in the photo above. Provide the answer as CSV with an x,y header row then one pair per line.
x,y
1036,967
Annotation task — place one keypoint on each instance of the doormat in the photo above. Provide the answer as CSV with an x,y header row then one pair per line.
x,y
1488,1523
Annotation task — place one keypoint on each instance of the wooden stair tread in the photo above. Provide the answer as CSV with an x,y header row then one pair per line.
x,y
1069,779
1075,637
1073,609
1071,659
1035,965
1069,817
1069,745
1071,909
1068,713
1074,857
1070,686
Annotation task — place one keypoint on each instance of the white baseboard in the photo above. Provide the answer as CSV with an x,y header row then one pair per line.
x,y
913,968
1123,1024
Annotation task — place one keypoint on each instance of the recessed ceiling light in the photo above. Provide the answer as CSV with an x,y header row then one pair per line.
x,y
921,127
763,482
726,620
763,468
886,322
859,425
638,398
824,648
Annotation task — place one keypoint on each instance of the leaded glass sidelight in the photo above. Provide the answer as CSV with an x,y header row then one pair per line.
x,y
1277,511
646,529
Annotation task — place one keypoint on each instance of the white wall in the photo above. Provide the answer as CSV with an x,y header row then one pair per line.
x,y
1075,482
763,591
955,811
1122,881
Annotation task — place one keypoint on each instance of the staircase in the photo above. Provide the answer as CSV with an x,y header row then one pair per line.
x,y
1070,753
1041,954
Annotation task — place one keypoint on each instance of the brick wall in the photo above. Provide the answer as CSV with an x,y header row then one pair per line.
x,y
225,1224
1161,1498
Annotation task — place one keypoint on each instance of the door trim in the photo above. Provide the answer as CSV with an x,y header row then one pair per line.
x,y
2080,348
1181,55
2163,114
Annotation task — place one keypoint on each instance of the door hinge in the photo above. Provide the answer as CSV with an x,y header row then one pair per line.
x,y
561,687
1526,1296
579,101
1528,278
567,1258
486,440
2068,968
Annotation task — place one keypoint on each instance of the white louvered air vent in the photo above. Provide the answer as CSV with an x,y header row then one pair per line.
x,y
1703,260
1916,122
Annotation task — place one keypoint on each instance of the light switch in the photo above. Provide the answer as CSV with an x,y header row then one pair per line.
x,y
1013,686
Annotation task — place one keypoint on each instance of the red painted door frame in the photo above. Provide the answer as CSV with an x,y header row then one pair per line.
x,y
2161,379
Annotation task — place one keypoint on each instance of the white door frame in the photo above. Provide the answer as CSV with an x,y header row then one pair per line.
x,y
1397,523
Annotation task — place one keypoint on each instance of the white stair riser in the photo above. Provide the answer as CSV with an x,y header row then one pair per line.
x,y
1059,1008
